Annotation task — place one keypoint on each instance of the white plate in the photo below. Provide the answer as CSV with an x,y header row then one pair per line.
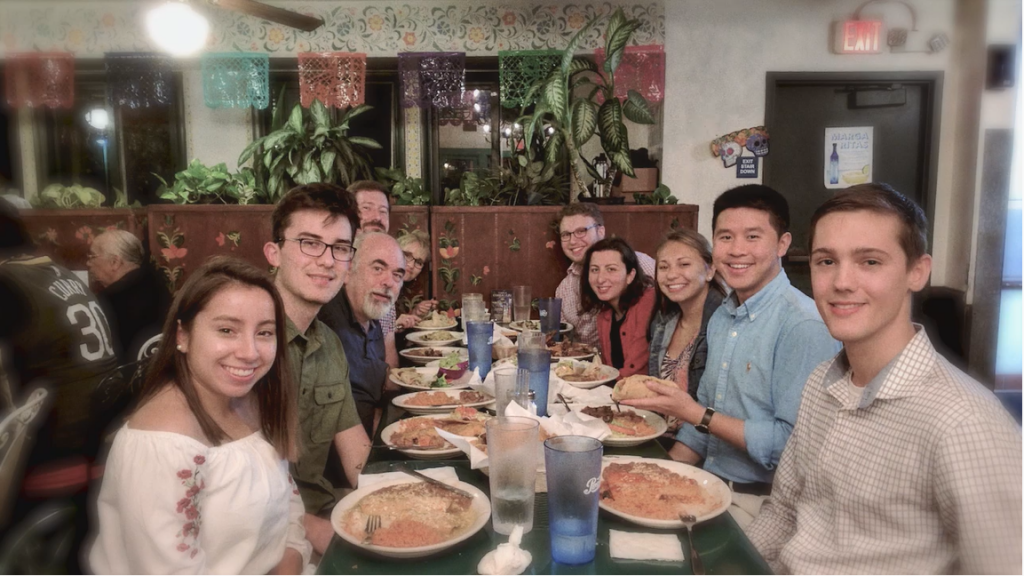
x,y
418,338
523,325
581,357
431,372
481,506
453,324
400,401
409,353
608,374
653,420
709,481
441,454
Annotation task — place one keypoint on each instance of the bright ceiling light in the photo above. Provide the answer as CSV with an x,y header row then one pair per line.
x,y
178,29
98,118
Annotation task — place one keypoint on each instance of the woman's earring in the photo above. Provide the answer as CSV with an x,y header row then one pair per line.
x,y
179,347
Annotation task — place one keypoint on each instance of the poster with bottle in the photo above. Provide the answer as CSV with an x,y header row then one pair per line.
x,y
848,156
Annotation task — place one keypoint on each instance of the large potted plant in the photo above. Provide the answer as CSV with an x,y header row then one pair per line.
x,y
567,112
311,147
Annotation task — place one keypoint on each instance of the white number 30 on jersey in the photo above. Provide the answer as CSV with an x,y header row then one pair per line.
x,y
97,328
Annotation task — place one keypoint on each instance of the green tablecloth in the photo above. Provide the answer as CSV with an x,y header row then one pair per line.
x,y
720,542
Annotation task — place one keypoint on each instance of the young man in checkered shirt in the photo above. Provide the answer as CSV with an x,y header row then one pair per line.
x,y
899,462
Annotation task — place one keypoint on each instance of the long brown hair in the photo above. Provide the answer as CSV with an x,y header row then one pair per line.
x,y
699,243
274,392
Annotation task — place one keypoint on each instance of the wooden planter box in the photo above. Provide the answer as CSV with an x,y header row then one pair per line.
x,y
479,249
182,237
66,235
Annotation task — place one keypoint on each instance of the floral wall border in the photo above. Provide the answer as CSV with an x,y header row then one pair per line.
x,y
381,28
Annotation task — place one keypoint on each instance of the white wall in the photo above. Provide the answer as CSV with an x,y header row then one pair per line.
x,y
718,55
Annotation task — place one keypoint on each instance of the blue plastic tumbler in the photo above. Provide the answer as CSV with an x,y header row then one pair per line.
x,y
479,336
573,466
538,362
550,310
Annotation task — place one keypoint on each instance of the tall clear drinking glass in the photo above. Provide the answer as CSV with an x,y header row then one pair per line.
x,y
478,336
573,468
512,452
521,303
504,387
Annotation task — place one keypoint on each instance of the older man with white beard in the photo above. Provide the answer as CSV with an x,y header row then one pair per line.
x,y
372,288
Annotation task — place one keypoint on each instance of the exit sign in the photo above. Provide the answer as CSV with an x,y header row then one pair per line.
x,y
858,37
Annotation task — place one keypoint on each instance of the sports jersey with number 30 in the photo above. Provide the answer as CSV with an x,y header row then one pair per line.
x,y
57,336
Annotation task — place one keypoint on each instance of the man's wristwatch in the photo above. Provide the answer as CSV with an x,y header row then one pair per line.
x,y
703,426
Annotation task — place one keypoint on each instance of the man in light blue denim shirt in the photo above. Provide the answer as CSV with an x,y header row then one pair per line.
x,y
763,343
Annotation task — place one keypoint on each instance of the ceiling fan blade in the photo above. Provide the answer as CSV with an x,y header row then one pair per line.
x,y
272,13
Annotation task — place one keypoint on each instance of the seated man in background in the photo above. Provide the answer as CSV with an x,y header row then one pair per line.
x,y
899,462
134,297
372,288
54,335
580,226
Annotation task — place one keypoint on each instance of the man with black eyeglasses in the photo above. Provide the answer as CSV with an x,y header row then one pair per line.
x,y
311,250
581,225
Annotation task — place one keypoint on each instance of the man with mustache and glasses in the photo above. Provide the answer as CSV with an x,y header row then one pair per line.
x,y
377,272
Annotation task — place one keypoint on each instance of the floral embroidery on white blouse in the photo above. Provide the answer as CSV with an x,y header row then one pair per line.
x,y
189,507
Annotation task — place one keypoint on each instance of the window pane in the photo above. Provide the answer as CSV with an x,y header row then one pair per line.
x,y
77,152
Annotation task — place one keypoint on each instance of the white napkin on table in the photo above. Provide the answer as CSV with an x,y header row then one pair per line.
x,y
477,457
645,546
598,396
507,558
445,474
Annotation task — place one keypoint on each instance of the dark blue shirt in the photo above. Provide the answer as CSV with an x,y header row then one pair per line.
x,y
364,349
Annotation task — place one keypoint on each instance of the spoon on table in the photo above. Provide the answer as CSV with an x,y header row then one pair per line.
x,y
564,401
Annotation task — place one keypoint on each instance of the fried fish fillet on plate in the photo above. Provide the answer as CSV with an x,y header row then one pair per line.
x,y
444,399
651,491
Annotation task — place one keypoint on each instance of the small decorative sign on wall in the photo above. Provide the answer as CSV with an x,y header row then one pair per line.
x,y
848,156
747,167
730,147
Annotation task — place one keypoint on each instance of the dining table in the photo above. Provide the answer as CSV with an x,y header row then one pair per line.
x,y
722,545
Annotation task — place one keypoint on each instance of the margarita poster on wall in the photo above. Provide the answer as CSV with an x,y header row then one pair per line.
x,y
848,156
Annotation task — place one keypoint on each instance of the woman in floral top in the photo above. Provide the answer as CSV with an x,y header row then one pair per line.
x,y
197,479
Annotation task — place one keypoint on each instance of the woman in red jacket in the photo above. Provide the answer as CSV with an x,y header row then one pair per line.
x,y
623,295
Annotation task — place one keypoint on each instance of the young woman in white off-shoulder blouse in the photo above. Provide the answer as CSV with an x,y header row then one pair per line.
x,y
197,480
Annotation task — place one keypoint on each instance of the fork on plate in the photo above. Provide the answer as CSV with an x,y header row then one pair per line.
x,y
373,522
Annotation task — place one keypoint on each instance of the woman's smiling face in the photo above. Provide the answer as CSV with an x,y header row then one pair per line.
x,y
608,276
232,342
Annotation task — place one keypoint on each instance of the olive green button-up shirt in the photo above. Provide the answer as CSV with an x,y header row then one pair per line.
x,y
326,407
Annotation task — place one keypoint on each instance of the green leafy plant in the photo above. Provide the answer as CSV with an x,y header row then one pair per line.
x,y
405,191
310,147
75,196
661,195
201,184
567,113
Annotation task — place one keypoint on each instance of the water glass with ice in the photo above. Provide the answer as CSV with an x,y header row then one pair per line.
x,y
573,468
512,453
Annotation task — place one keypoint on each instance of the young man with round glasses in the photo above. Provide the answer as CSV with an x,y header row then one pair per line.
x,y
312,250
580,226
